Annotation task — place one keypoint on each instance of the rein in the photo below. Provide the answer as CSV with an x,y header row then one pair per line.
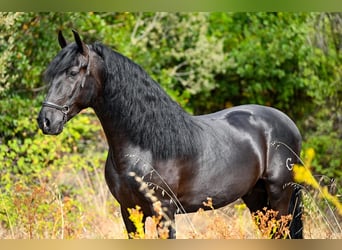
x,y
66,108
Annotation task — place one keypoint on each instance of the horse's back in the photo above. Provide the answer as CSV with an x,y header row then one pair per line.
x,y
273,122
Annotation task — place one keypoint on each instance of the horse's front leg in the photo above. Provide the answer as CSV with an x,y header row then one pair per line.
x,y
172,230
167,225
167,228
129,224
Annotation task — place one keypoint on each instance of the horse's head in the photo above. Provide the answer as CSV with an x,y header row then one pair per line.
x,y
75,78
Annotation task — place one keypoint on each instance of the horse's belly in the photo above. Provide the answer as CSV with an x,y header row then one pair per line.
x,y
222,186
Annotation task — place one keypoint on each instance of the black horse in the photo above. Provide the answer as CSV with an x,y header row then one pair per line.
x,y
246,151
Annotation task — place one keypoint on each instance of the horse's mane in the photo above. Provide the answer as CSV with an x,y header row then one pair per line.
x,y
143,110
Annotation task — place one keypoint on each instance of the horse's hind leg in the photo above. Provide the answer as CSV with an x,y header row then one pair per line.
x,y
280,199
296,226
281,194
264,197
257,198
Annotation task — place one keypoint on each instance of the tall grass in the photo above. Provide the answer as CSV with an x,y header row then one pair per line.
x,y
70,205
49,209
319,203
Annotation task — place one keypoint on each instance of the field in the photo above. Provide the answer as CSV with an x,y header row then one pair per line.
x,y
89,211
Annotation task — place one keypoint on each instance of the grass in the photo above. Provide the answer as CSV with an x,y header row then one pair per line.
x,y
45,214
49,210
235,222
70,204
42,212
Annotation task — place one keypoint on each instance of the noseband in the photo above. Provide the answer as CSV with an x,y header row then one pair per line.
x,y
66,108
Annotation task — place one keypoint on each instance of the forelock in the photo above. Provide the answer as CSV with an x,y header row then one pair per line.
x,y
65,59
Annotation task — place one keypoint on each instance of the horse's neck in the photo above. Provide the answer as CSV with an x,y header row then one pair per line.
x,y
166,132
136,110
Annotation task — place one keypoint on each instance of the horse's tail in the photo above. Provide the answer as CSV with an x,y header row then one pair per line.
x,y
296,209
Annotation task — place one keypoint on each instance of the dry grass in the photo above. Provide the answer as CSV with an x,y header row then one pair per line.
x,y
48,210
44,211
235,222
231,222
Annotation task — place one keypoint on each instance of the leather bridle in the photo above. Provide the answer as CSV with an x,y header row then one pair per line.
x,y
66,108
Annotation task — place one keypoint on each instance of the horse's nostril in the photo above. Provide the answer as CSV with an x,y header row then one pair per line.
x,y
46,123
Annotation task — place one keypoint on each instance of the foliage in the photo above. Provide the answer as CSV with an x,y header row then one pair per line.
x,y
304,175
136,216
31,196
270,225
265,51
324,135
7,44
39,215
216,225
182,57
205,61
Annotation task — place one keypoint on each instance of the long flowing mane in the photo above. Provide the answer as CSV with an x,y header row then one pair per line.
x,y
143,110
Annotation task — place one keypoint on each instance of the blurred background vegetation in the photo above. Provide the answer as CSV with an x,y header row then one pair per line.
x,y
205,61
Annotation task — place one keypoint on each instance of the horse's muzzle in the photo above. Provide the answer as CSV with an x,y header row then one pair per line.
x,y
51,123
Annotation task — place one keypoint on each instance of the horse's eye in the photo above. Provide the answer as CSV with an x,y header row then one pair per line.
x,y
73,73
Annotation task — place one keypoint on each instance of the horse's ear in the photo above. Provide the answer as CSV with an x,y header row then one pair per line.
x,y
61,40
81,45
